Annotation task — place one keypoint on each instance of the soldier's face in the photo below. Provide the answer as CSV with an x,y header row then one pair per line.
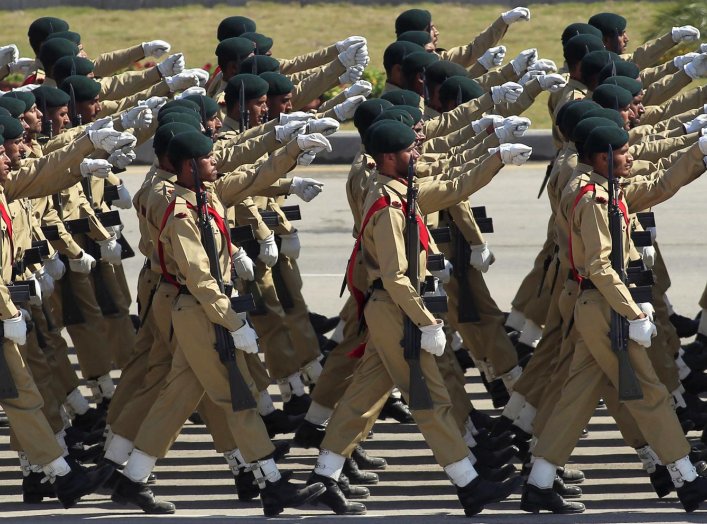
x,y
616,44
15,151
627,114
257,108
637,109
419,133
60,118
4,165
214,124
434,33
623,161
402,160
33,118
88,110
206,165
279,104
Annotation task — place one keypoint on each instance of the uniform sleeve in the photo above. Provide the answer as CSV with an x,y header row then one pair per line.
x,y
309,60
696,97
387,227
247,214
8,310
531,90
233,155
664,89
464,219
66,245
496,77
653,74
649,53
316,84
468,54
125,84
459,117
654,150
329,104
108,63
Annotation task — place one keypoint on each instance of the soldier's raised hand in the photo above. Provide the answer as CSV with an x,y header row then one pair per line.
x,y
493,57
543,64
305,188
346,109
97,167
697,68
516,154
552,82
485,122
286,118
285,133
343,45
156,48
8,54
524,60
326,126
515,15
21,65
360,87
508,92
352,74
512,127
685,33
172,65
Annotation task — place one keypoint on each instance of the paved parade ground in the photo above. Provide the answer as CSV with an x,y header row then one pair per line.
x,y
413,489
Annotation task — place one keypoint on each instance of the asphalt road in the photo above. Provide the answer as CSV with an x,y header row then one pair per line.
x,y
413,489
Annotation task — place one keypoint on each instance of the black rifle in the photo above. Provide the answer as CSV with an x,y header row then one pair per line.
x,y
74,115
484,222
646,218
244,113
47,132
629,388
241,397
204,121
419,394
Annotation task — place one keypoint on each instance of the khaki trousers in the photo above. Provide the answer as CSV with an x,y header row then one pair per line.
x,y
119,327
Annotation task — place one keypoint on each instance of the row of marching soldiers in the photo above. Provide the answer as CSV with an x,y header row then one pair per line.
x,y
212,218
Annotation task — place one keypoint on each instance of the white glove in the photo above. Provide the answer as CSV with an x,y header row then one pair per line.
x,y
35,300
512,16
286,118
530,75
102,123
8,54
524,60
16,328
122,158
512,127
83,264
348,57
493,57
124,201
685,33
287,132
445,274
196,90
481,257
108,139
46,282
27,88
326,126
433,339
155,48
95,167
268,250
154,103
305,188
697,68
516,154
543,64
172,65
116,231
181,81
343,45
352,74
243,265
552,82
647,309
699,122
485,121
508,92
21,65
201,75
246,339
681,61
360,87
54,266
306,158
290,245
648,256
642,330
313,143
110,251
138,117
346,109
702,141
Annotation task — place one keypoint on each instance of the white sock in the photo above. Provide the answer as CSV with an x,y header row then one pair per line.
x,y
77,402
107,386
469,439
329,464
648,458
338,334
318,414
509,378
461,472
311,371
515,320
139,466
265,405
702,327
469,425
683,369
531,334
119,450
542,474
514,405
457,342
525,418
681,471
678,399
296,383
57,468
671,311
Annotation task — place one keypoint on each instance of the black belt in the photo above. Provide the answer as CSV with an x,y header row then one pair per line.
x,y
184,290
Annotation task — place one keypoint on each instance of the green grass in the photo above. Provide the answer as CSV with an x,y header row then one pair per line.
x,y
296,29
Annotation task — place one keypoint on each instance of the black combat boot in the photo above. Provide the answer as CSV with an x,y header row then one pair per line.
x,y
276,496
35,488
566,491
365,461
570,476
89,420
279,423
685,327
74,485
396,409
464,358
691,494
323,324
661,481
334,498
500,442
535,499
297,405
482,420
309,435
479,492
494,459
138,494
352,492
495,474
246,487
357,476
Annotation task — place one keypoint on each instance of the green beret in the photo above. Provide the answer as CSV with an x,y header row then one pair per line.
x,y
253,85
12,128
438,72
234,49
71,65
402,97
612,96
234,26
416,62
42,27
594,61
263,43
191,119
181,110
397,51
52,50
571,113
586,125
578,46
609,114
459,88
413,20
579,29
85,88
165,133
4,112
413,111
600,138
209,105
68,35
188,145
15,106
388,136
50,97
260,64
421,38
610,24
398,114
367,112
619,68
26,96
182,104
278,84
629,84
